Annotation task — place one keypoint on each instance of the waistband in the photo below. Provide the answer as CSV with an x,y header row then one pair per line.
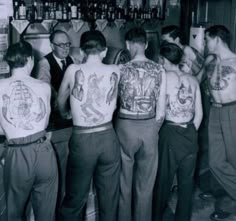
x,y
137,116
94,129
181,124
223,105
36,138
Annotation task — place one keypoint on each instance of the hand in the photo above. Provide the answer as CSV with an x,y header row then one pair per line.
x,y
67,115
2,162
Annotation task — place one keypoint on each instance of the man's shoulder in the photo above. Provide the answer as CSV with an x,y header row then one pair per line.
x,y
147,64
191,79
112,67
3,82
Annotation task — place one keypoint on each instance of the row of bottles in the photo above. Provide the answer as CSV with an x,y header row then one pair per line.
x,y
86,10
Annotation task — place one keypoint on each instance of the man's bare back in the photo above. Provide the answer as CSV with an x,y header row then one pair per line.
x,y
222,79
24,106
93,92
181,95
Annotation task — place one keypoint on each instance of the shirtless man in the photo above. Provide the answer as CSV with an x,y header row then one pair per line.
x,y
142,91
221,73
178,136
30,170
94,147
192,60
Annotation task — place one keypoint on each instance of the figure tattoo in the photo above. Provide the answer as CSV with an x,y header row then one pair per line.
x,y
139,86
219,75
113,91
22,108
181,104
78,91
95,95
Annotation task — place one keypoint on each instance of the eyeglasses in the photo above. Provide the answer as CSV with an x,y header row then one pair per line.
x,y
63,45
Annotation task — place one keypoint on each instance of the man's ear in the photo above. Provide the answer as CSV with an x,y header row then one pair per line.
x,y
104,53
52,46
218,40
127,45
81,52
177,40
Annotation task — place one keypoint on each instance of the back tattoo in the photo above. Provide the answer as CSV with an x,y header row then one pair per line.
x,y
22,107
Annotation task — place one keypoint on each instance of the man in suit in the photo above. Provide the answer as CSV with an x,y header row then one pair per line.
x,y
51,69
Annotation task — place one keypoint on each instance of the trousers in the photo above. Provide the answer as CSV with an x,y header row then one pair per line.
x,y
139,160
222,147
30,173
92,155
177,155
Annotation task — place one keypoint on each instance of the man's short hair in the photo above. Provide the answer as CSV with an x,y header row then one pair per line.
x,y
174,32
54,33
136,35
171,52
18,53
92,42
219,31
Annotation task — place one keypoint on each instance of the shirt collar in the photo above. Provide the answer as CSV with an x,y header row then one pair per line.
x,y
58,60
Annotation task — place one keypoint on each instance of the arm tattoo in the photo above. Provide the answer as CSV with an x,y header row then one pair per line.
x,y
23,107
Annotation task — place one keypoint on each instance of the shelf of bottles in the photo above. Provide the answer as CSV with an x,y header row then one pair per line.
x,y
88,10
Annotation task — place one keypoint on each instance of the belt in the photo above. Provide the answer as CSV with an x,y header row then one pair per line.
x,y
184,124
87,130
38,141
223,105
136,116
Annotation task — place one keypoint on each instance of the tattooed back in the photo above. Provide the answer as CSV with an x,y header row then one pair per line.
x,y
181,96
139,87
221,76
93,93
24,106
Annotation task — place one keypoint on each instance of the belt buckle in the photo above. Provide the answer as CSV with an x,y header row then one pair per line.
x,y
217,105
41,140
183,125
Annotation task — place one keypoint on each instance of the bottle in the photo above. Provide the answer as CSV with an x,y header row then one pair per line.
x,y
22,10
79,10
135,12
131,13
34,16
51,10
158,9
119,12
111,12
153,12
46,11
59,11
69,11
16,10
96,11
74,12
40,10
64,12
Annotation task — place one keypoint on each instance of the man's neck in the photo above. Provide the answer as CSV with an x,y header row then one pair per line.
x,y
93,59
139,57
57,57
225,53
20,72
